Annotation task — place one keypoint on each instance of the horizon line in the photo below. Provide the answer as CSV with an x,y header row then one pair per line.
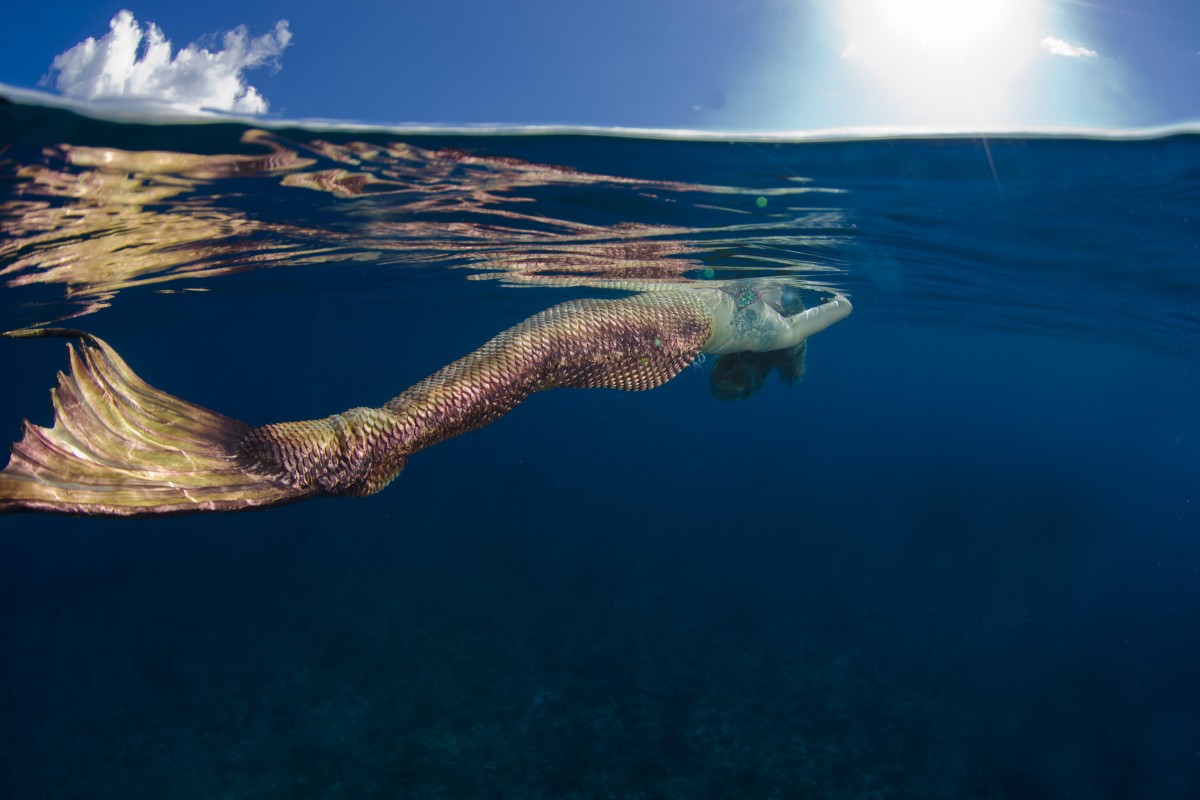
x,y
150,112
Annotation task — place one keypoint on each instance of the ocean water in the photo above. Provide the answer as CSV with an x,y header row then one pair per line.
x,y
961,559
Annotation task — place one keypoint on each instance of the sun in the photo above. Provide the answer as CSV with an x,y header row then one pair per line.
x,y
943,62
941,23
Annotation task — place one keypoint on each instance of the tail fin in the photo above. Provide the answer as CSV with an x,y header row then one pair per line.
x,y
120,447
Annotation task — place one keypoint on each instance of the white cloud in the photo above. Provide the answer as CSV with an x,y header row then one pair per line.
x,y
127,64
1060,47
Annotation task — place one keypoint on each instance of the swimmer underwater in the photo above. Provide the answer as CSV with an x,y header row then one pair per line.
x,y
120,447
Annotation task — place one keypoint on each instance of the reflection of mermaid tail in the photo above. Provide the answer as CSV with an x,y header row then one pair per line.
x,y
121,447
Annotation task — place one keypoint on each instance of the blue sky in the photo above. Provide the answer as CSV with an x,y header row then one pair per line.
x,y
707,64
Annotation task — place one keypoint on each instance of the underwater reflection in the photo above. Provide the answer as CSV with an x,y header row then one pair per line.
x,y
96,221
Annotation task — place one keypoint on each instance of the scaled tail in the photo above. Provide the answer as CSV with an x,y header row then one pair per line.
x,y
120,447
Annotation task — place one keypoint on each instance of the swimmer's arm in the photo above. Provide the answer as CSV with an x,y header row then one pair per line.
x,y
760,328
798,327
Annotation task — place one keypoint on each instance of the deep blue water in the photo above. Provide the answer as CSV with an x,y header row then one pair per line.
x,y
960,560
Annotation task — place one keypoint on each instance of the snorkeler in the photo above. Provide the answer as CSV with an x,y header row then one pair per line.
x,y
120,447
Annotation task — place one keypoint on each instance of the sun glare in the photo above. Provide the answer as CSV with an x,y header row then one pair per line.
x,y
943,62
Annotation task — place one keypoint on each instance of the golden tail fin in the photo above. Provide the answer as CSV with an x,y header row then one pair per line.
x,y
120,447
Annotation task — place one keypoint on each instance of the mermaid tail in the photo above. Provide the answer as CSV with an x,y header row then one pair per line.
x,y
120,447
633,343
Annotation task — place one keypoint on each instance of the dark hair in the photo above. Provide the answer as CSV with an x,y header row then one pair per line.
x,y
738,376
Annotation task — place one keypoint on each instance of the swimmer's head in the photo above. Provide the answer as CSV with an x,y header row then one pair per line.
x,y
739,376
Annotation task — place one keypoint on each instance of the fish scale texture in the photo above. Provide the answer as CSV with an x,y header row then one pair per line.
x,y
632,343
121,447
